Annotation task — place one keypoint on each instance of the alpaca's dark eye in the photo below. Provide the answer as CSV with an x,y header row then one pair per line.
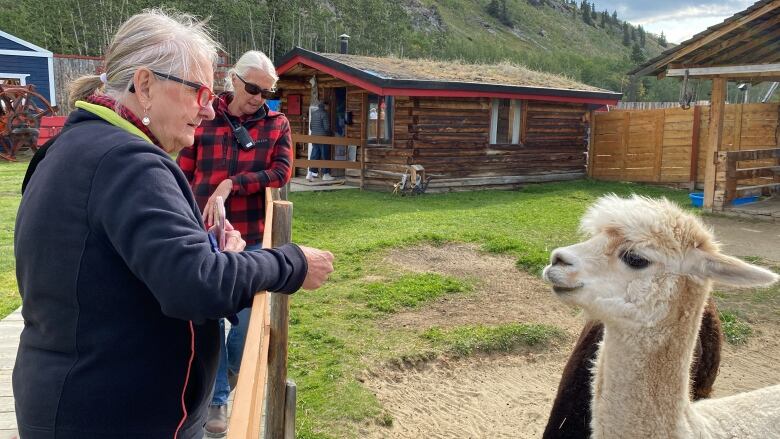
x,y
634,261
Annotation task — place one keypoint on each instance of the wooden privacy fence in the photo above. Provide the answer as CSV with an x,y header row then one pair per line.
x,y
668,145
335,164
265,350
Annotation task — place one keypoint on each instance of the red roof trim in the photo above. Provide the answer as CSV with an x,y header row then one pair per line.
x,y
482,94
336,73
298,59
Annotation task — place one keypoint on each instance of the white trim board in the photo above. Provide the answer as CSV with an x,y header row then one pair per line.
x,y
25,53
22,42
725,70
52,88
22,77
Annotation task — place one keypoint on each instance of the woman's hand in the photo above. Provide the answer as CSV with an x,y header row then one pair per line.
x,y
233,240
223,190
320,266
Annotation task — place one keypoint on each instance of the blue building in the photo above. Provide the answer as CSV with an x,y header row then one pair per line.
x,y
27,63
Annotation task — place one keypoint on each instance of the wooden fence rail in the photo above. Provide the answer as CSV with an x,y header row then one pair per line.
x,y
265,350
335,164
728,175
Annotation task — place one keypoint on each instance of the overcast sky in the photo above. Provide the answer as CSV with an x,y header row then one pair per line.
x,y
678,19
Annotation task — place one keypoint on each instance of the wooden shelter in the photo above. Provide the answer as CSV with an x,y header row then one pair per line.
x,y
744,48
468,126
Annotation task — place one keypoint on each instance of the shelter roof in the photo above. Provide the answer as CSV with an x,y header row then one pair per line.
x,y
747,38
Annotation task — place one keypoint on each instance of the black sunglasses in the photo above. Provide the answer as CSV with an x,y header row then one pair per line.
x,y
205,95
254,89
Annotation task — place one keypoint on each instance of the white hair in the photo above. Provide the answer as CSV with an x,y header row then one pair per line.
x,y
172,43
253,59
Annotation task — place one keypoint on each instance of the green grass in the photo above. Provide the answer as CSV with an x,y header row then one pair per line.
x,y
335,332
409,291
11,175
753,304
736,330
467,340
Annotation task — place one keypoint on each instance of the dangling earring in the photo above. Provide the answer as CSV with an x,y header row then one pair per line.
x,y
146,121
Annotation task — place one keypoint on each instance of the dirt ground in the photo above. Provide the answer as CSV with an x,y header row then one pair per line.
x,y
509,396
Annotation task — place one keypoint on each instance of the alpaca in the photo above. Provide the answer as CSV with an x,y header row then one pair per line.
x,y
645,272
570,413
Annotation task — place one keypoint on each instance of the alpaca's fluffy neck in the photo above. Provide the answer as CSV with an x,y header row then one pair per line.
x,y
641,379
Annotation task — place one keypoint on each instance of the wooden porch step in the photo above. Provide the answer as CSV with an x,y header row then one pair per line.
x,y
763,171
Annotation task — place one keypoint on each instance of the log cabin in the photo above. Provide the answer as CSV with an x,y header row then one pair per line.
x,y
468,126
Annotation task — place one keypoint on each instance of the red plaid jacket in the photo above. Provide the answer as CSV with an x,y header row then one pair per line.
x,y
215,156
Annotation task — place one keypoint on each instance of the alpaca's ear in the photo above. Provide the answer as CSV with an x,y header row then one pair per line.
x,y
732,271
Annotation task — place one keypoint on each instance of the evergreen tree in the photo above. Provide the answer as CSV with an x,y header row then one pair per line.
x,y
615,18
662,40
586,12
604,19
498,9
493,9
633,33
637,56
641,36
626,35
593,14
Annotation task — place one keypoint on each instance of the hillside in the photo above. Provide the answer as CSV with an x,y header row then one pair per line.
x,y
547,35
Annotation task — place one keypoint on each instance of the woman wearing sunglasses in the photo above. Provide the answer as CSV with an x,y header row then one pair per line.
x,y
243,150
121,287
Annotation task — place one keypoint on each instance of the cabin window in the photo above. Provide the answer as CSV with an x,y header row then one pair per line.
x,y
380,119
505,121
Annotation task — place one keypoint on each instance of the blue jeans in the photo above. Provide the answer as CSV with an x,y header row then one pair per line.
x,y
231,350
320,152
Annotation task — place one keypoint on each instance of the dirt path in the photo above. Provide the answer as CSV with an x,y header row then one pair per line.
x,y
747,238
509,396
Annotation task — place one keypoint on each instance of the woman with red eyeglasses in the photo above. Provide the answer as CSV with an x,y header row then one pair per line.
x,y
122,288
243,150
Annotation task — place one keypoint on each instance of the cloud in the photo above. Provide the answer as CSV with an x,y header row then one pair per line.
x,y
687,13
636,10
678,19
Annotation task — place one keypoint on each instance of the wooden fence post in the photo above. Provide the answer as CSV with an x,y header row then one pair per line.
x,y
277,352
714,139
289,410
694,175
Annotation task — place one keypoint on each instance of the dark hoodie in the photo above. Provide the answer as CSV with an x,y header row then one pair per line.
x,y
120,286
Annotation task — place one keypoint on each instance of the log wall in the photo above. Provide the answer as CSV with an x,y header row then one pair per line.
x,y
450,138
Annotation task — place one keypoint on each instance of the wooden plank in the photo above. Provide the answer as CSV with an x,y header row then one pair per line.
x,y
327,140
726,71
754,154
742,190
279,311
749,173
715,139
255,348
336,164
626,137
659,144
695,146
254,360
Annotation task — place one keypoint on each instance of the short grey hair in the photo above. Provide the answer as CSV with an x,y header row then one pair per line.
x,y
253,59
167,42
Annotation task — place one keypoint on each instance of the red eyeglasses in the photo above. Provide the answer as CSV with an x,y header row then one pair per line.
x,y
205,95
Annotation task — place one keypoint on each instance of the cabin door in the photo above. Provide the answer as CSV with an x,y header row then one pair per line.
x,y
337,96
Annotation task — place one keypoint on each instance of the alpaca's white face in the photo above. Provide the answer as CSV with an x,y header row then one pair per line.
x,y
613,278
639,254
